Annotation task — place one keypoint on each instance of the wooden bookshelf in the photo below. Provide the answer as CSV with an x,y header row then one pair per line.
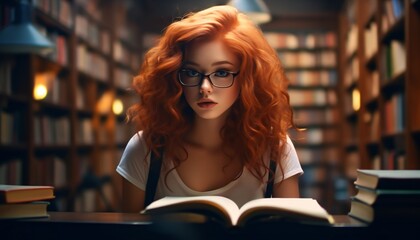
x,y
309,57
71,139
388,79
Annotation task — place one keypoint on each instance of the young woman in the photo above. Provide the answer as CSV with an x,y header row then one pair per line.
x,y
213,104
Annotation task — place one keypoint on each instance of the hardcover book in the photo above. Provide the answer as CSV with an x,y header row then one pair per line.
x,y
384,214
23,210
224,210
388,197
388,179
25,193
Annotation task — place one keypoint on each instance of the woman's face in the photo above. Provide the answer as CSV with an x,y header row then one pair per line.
x,y
203,58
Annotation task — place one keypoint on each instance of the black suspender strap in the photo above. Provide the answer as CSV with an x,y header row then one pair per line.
x,y
270,183
153,177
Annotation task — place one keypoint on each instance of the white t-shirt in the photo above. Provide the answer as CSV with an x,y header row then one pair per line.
x,y
241,190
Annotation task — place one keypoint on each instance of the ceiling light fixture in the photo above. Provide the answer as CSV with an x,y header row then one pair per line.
x,y
257,10
21,36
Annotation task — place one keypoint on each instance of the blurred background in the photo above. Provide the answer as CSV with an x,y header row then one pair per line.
x,y
64,94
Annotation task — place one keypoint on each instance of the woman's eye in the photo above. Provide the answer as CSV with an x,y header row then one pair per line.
x,y
192,73
221,73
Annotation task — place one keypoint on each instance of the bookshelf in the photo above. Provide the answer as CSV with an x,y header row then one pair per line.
x,y
72,138
380,60
309,57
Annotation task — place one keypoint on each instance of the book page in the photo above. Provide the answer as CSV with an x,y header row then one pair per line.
x,y
224,207
299,208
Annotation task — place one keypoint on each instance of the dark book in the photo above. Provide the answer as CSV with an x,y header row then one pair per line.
x,y
25,193
225,211
386,197
388,179
23,210
372,214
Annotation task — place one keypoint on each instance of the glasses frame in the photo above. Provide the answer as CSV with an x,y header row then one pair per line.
x,y
203,76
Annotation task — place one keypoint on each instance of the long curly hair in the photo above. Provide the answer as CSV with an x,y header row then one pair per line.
x,y
259,118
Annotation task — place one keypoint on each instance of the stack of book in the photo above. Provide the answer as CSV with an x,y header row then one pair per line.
x,y
23,201
386,196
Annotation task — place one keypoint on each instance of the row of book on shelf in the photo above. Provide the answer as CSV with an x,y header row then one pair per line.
x,y
393,118
394,63
312,77
314,136
11,171
50,185
9,125
308,59
301,40
50,130
87,26
393,11
386,196
312,97
315,116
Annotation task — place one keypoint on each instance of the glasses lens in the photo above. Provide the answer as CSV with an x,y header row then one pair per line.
x,y
189,77
221,79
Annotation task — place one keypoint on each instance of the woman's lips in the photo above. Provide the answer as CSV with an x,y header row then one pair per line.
x,y
206,104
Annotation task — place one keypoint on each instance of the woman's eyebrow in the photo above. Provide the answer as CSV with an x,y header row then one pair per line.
x,y
221,63
190,63
213,64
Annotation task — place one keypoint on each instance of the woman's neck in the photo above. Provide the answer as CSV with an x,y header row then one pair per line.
x,y
205,133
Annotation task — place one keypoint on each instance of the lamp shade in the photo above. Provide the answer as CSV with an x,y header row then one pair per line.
x,y
21,36
257,10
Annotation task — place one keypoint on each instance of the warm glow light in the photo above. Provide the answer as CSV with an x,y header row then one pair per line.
x,y
356,99
43,83
40,92
117,107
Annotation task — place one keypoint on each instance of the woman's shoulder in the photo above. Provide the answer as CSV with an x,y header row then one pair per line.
x,y
138,136
135,149
289,149
136,140
289,142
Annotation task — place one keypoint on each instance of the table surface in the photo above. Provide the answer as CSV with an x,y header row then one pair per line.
x,y
102,225
134,218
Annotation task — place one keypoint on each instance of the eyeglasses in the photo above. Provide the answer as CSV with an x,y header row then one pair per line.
x,y
220,78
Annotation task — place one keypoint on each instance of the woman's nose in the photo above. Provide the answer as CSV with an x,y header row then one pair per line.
x,y
206,86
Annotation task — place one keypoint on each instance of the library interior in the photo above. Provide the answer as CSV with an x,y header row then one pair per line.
x,y
353,70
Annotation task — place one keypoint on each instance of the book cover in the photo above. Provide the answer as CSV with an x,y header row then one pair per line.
x,y
23,210
391,198
225,211
25,193
388,179
383,214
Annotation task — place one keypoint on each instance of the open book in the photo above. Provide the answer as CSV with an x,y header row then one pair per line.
x,y
226,211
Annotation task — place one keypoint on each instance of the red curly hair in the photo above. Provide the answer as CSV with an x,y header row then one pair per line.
x,y
260,117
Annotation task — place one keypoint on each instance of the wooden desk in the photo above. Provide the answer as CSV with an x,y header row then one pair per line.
x,y
99,226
